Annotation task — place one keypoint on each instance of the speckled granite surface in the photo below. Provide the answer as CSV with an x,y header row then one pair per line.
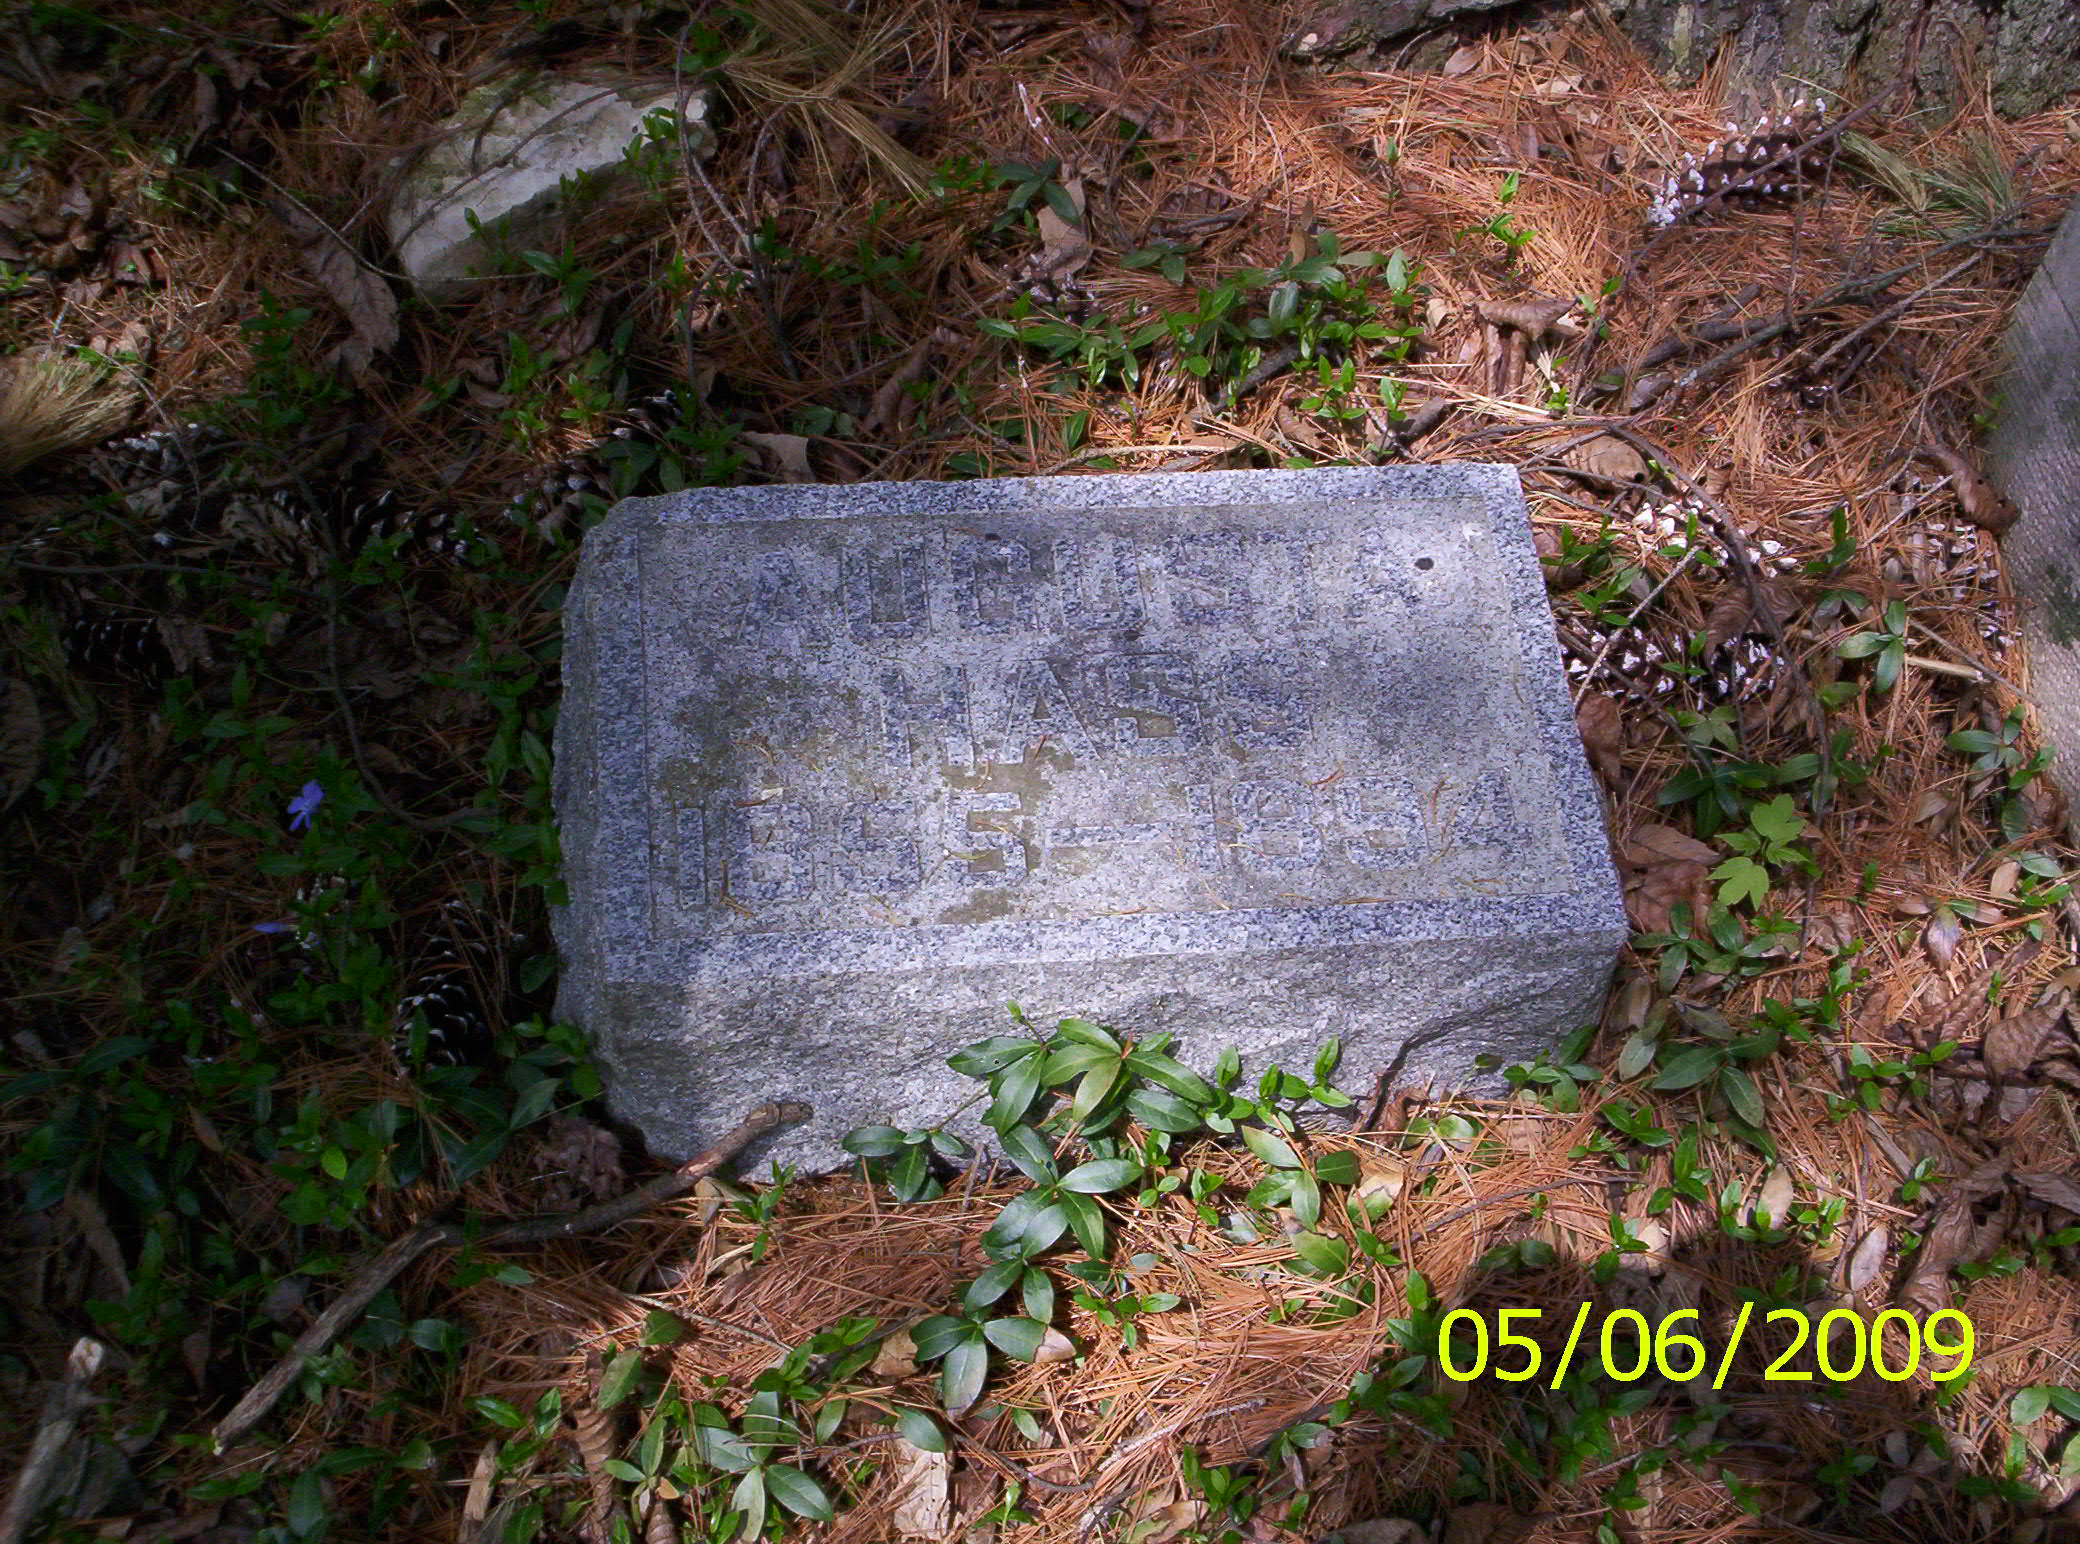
x,y
1254,757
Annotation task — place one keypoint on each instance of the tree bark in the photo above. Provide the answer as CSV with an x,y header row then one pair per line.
x,y
2027,52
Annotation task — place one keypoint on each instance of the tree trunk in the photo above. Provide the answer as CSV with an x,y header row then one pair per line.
x,y
2026,51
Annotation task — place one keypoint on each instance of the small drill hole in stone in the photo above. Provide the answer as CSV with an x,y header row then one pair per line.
x,y
1426,564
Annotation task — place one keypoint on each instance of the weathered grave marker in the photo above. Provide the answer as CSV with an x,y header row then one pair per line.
x,y
1255,757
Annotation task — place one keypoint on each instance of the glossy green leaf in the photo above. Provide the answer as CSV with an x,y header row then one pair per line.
x,y
872,1141
993,1283
1010,1225
1037,1293
749,1498
1084,1032
992,1055
1016,1090
1270,1149
1741,1095
661,1328
1171,1074
1688,1067
1088,1222
939,1334
921,1431
1046,1225
1102,1176
1031,1152
1160,1110
1016,1337
1323,1255
1307,1198
619,1378
798,1492
1337,1168
962,1375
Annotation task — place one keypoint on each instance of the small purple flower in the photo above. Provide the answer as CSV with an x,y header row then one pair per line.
x,y
272,927
304,805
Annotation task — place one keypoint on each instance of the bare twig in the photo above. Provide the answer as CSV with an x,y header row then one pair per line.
x,y
401,1252
1610,641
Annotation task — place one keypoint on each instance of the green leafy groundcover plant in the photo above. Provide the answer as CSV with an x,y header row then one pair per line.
x,y
1079,1085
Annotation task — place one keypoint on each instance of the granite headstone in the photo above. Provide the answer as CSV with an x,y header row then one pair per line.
x,y
1254,757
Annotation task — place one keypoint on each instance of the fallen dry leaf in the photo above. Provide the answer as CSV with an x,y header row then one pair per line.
x,y
1603,735
2054,1187
21,739
897,1358
1954,1237
1653,895
782,456
2014,1044
1055,1347
1774,1200
1462,61
1868,1258
1064,248
1607,456
357,289
923,1504
1940,937
1560,575
1652,845
1980,501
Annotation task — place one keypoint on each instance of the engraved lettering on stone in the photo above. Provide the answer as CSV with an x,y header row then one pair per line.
x,y
877,848
1153,700
1039,713
1274,829
687,861
781,610
983,853
1202,829
925,714
1384,820
768,851
993,583
1099,583
886,595
1263,702
1207,585
1486,814
1105,836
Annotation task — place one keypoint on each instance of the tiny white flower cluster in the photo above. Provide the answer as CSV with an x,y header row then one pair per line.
x,y
1734,164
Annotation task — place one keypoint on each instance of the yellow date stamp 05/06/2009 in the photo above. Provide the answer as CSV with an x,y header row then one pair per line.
x,y
1843,1345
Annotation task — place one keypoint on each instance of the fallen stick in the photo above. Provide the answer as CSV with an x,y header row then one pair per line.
x,y
67,1401
401,1252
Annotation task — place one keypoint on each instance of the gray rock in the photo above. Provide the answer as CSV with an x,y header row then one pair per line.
x,y
1256,757
2034,456
511,158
